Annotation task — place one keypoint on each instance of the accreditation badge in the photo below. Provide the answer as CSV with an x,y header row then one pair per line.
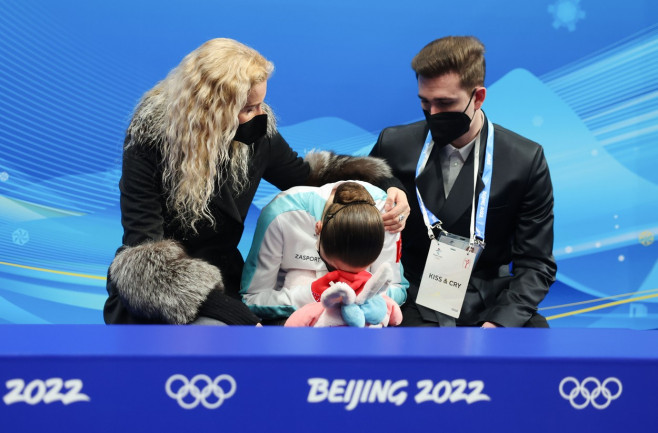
x,y
448,269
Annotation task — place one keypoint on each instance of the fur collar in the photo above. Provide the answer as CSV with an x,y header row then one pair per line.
x,y
327,167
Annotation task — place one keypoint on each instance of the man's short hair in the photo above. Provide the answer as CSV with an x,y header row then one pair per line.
x,y
463,55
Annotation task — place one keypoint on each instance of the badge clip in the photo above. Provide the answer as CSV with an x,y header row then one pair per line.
x,y
439,227
476,242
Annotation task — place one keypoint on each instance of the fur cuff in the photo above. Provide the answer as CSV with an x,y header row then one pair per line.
x,y
158,281
327,167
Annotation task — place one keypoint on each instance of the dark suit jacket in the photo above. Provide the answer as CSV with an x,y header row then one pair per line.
x,y
519,227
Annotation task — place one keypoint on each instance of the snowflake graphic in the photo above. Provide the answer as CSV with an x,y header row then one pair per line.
x,y
566,13
646,238
4,176
20,236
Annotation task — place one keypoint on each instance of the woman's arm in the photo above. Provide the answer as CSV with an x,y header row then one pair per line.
x,y
141,192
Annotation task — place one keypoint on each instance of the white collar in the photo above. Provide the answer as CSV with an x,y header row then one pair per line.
x,y
448,149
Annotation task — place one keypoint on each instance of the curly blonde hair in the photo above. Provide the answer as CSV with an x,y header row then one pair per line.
x,y
193,115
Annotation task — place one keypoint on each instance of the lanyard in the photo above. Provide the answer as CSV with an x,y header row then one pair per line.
x,y
478,220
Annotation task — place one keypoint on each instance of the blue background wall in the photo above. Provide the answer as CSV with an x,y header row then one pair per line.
x,y
579,77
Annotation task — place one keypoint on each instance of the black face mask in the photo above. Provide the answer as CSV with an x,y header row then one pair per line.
x,y
329,267
449,126
253,130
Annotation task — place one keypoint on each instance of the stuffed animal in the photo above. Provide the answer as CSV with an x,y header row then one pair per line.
x,y
340,305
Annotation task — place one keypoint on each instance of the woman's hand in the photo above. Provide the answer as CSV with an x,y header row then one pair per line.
x,y
396,210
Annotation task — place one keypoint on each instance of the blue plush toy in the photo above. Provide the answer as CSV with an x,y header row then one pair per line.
x,y
372,311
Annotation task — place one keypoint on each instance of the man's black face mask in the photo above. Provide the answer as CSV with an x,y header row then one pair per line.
x,y
449,126
251,131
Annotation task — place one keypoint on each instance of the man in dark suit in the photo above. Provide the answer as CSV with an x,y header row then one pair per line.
x,y
435,159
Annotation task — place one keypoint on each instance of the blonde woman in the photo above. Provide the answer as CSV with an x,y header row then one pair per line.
x,y
195,151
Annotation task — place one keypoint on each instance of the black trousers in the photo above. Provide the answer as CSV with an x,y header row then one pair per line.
x,y
411,317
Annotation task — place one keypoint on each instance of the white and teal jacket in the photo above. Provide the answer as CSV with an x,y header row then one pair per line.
x,y
283,259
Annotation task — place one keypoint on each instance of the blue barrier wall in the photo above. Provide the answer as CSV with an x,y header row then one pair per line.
x,y
176,378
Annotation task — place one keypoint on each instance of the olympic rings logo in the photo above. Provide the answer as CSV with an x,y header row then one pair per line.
x,y
591,391
211,395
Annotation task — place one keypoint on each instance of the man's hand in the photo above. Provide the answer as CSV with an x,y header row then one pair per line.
x,y
396,210
490,325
